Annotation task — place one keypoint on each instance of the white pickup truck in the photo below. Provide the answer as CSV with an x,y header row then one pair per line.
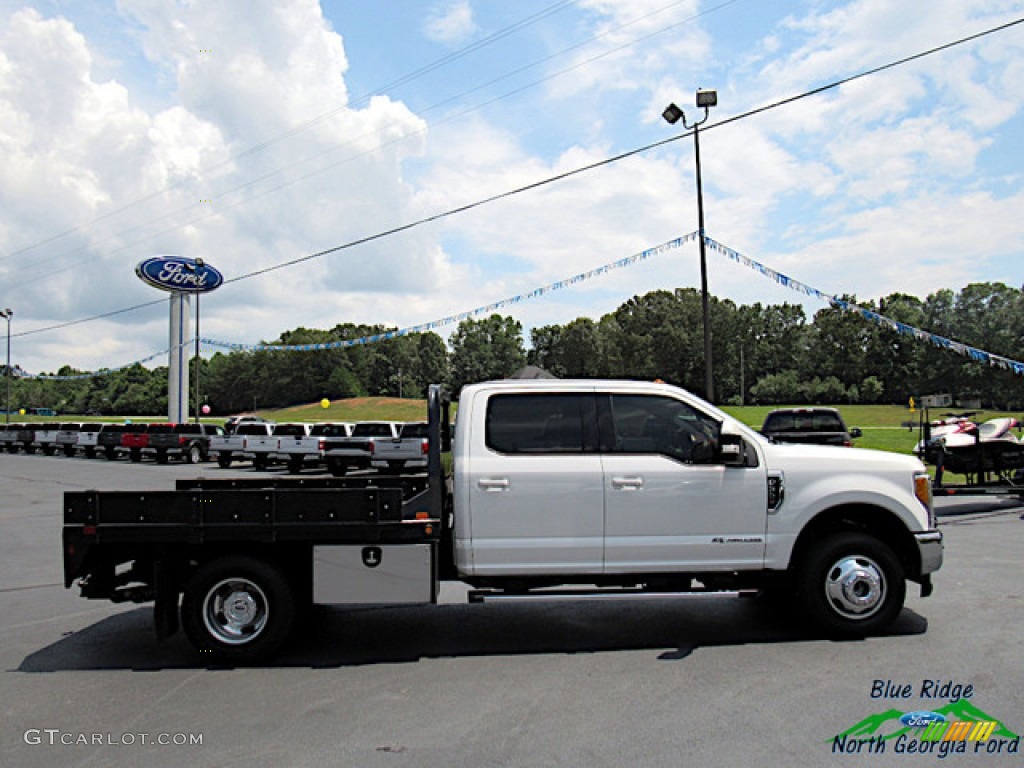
x,y
614,489
356,450
407,451
233,446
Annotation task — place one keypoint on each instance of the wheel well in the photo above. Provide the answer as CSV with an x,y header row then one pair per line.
x,y
874,521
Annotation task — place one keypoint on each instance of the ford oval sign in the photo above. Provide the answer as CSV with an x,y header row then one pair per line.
x,y
177,273
921,719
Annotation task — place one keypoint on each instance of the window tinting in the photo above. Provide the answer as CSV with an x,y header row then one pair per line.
x,y
650,424
541,423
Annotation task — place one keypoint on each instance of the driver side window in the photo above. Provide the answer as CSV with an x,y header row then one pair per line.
x,y
662,425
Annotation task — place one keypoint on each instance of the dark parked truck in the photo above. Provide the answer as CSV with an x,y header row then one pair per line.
x,y
819,426
606,488
108,441
189,441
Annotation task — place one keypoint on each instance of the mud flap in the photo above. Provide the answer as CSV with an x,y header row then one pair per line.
x,y
165,606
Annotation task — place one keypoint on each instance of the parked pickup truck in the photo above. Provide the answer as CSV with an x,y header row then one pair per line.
x,y
9,437
67,438
134,439
230,446
821,426
407,451
615,489
109,439
88,439
258,443
304,444
355,451
189,440
44,438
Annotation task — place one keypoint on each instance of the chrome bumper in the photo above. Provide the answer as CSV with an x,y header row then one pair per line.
x,y
929,544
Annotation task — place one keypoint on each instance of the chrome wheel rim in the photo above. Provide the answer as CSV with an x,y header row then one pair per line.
x,y
855,587
235,611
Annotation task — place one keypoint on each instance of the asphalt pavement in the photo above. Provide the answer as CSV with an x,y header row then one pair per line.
x,y
714,681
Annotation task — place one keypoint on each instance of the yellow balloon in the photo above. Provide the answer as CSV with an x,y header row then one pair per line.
x,y
325,403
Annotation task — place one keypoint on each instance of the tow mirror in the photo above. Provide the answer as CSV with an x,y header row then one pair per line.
x,y
731,451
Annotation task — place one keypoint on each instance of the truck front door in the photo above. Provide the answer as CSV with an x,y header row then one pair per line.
x,y
668,505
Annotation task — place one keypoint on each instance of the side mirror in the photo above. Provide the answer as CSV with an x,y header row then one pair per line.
x,y
731,450
855,432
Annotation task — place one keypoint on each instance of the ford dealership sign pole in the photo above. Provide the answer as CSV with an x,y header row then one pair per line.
x,y
181,277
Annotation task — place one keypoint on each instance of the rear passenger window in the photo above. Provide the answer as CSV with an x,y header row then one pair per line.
x,y
541,423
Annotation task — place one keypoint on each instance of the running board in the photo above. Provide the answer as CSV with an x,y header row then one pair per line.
x,y
494,596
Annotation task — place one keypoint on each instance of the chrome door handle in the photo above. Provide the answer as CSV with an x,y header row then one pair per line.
x,y
628,483
493,483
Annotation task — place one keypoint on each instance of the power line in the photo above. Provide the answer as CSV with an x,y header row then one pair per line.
x,y
565,175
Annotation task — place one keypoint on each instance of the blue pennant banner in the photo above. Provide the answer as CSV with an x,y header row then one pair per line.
x,y
996,361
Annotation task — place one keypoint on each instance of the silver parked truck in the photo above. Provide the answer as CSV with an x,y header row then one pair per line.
x,y
557,489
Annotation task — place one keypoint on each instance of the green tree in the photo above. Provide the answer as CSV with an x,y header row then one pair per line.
x,y
491,348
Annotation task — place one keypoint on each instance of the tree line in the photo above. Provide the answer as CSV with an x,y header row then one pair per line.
x,y
761,354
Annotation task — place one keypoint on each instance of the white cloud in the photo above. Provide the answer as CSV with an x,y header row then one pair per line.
x,y
451,24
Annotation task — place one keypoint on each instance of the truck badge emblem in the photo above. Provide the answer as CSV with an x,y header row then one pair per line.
x,y
371,556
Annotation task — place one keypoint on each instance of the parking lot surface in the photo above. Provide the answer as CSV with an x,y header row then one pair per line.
x,y
714,681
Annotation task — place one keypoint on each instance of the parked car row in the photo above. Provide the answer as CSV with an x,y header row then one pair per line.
x,y
159,441
338,446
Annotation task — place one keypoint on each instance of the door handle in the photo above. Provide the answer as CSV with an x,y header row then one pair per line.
x,y
628,483
493,483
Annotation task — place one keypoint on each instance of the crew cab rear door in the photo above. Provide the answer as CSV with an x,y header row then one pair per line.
x,y
670,504
534,485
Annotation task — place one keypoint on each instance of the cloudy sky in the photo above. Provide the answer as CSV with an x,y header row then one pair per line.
x,y
255,133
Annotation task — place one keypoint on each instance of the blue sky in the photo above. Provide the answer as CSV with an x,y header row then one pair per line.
x,y
253,134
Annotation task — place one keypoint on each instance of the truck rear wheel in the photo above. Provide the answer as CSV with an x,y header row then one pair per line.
x,y
852,584
238,609
194,454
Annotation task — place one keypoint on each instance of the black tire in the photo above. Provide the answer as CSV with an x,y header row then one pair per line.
x,y
194,454
224,460
851,585
238,609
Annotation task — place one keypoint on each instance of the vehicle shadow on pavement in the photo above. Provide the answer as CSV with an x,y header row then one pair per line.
x,y
339,637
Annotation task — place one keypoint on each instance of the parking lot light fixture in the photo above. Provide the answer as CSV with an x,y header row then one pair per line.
x,y
673,114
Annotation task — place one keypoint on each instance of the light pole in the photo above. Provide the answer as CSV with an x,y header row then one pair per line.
x,y
7,314
672,115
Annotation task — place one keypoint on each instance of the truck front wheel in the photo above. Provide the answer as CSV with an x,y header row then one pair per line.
x,y
238,609
851,584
